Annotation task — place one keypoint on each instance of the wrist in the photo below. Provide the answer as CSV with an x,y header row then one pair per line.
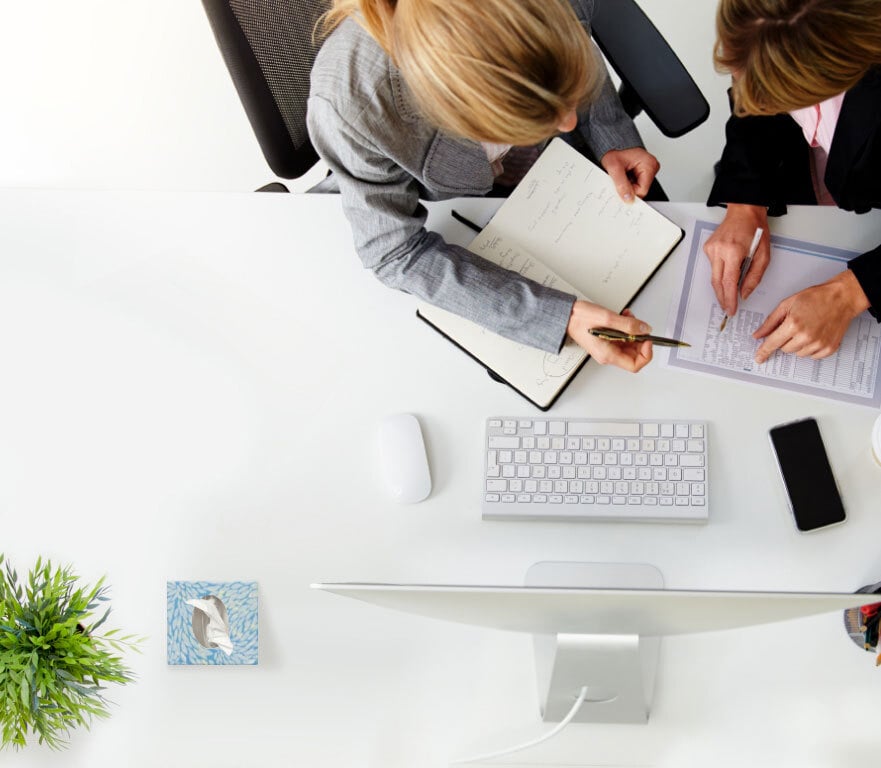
x,y
745,210
851,292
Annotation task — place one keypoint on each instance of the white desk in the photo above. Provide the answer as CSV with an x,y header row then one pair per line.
x,y
191,388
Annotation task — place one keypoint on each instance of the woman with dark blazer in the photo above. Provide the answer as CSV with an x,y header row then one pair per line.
x,y
805,129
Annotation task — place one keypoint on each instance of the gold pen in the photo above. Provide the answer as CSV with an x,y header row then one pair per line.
x,y
612,334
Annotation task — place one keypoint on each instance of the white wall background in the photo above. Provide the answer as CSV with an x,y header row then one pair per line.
x,y
133,94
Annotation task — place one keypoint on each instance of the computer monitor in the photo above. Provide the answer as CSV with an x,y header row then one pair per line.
x,y
596,624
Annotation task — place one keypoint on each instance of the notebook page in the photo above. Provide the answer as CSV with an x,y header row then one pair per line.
x,y
567,212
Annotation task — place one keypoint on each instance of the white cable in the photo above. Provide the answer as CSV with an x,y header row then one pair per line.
x,y
550,734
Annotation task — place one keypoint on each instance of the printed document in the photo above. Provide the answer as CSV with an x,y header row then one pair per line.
x,y
851,374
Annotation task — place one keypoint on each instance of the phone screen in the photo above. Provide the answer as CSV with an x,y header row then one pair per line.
x,y
807,474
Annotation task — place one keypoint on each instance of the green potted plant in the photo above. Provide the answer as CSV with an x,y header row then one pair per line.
x,y
53,661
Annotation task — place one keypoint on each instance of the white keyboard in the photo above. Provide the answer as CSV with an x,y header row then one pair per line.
x,y
593,469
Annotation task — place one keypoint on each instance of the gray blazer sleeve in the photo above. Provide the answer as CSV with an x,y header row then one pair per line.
x,y
381,201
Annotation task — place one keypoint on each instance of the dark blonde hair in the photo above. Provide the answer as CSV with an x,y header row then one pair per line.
x,y
503,71
789,54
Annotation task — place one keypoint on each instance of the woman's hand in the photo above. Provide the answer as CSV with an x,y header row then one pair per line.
x,y
629,356
632,170
727,248
812,322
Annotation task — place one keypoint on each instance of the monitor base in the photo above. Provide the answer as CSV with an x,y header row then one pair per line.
x,y
618,670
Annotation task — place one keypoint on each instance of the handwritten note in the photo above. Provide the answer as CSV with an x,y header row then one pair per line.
x,y
568,214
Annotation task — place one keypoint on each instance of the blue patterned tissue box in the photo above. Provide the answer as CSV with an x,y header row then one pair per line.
x,y
212,622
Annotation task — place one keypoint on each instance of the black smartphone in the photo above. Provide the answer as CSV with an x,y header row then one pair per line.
x,y
813,493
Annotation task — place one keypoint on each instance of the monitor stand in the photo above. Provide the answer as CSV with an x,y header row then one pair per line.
x,y
618,670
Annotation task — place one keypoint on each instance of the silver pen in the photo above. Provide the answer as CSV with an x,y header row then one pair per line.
x,y
744,267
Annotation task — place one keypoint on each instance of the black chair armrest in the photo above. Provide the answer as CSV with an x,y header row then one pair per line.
x,y
652,77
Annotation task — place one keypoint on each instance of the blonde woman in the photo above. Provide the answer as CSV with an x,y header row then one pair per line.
x,y
806,128
433,99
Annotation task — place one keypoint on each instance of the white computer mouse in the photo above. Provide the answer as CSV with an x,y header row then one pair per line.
x,y
403,458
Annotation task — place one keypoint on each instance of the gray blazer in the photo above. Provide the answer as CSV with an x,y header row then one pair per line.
x,y
385,158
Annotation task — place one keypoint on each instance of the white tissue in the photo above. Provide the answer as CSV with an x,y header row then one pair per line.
x,y
210,623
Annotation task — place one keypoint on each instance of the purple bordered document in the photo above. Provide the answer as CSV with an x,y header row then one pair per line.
x,y
851,374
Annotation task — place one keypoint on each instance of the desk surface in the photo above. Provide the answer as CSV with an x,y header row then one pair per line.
x,y
192,387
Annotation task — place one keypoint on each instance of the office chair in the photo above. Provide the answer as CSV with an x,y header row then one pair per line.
x,y
268,48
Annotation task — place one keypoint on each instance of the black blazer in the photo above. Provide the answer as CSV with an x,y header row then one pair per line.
x,y
766,161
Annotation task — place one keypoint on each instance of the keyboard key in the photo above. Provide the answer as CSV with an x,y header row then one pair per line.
x,y
617,428
500,441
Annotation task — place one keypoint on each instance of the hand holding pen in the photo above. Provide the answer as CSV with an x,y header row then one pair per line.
x,y
726,249
629,355
744,267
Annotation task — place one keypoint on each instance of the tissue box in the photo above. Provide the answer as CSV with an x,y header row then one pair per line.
x,y
236,616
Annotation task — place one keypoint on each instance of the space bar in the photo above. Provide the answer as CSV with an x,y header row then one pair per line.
x,y
603,428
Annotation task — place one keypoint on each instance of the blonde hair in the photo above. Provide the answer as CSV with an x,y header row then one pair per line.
x,y
504,71
790,54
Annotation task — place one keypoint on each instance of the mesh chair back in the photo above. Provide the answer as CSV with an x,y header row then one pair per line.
x,y
268,48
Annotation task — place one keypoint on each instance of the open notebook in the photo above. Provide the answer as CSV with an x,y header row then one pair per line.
x,y
565,226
